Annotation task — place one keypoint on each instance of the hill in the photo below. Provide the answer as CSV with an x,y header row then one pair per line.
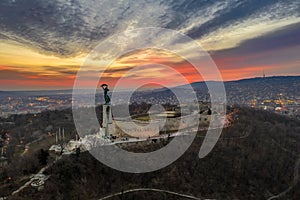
x,y
256,158
285,84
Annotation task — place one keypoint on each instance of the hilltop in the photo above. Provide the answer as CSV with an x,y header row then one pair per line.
x,y
256,158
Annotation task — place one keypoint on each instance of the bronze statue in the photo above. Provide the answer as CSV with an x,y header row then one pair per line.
x,y
106,97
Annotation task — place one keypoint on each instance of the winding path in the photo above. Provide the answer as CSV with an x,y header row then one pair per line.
x,y
149,190
33,177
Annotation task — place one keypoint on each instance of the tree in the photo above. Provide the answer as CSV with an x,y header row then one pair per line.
x,y
77,152
209,112
43,157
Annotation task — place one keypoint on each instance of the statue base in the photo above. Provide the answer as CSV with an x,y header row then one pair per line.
x,y
108,125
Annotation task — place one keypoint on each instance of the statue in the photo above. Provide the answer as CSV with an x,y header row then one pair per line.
x,y
107,115
106,97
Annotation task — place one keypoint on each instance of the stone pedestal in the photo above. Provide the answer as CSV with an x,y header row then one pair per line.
x,y
107,120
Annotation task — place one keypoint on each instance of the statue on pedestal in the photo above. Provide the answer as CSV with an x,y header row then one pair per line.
x,y
107,115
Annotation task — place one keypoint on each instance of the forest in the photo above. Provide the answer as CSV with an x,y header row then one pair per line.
x,y
257,157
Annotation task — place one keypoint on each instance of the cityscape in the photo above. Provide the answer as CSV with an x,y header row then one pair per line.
x,y
276,94
149,100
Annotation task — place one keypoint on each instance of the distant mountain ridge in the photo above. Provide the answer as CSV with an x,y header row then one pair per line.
x,y
261,79
274,80
241,91
291,81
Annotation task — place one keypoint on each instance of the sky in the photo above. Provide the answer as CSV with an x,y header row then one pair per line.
x,y
43,44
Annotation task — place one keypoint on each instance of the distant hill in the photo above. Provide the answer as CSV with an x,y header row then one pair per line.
x,y
270,79
268,87
274,81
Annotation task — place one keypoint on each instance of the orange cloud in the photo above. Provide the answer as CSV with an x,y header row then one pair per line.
x,y
62,74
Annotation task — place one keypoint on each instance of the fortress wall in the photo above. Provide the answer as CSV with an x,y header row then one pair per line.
x,y
138,129
143,129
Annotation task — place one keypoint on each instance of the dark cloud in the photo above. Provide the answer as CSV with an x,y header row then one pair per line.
x,y
236,12
65,70
280,48
68,27
12,74
118,70
285,38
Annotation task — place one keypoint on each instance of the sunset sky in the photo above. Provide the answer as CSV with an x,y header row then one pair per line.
x,y
44,43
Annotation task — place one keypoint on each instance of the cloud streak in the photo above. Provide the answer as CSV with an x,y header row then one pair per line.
x,y
68,28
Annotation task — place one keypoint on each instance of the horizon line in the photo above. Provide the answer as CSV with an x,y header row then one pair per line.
x,y
68,89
